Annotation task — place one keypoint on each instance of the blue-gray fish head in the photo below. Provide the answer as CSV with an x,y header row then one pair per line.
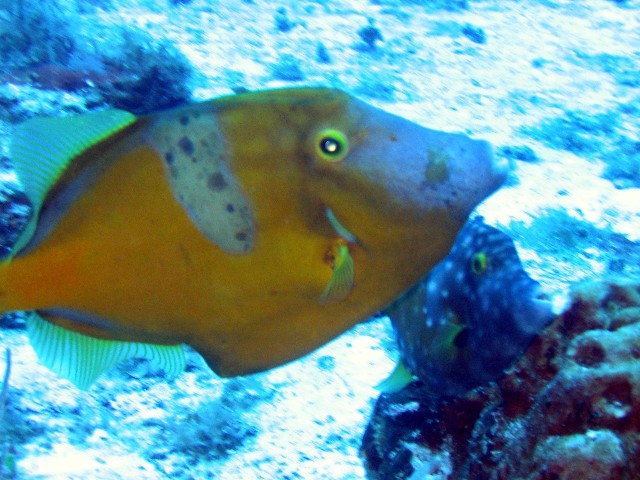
x,y
472,316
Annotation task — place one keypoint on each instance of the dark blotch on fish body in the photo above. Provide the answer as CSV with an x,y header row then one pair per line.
x,y
217,181
437,170
186,145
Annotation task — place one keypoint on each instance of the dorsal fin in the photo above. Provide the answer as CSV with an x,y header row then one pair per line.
x,y
42,148
82,359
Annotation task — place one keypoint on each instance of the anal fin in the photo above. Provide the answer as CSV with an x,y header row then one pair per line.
x,y
82,359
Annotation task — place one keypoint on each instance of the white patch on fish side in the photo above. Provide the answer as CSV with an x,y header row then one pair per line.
x,y
197,161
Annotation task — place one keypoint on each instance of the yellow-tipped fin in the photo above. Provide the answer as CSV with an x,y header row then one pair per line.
x,y
82,359
399,378
342,280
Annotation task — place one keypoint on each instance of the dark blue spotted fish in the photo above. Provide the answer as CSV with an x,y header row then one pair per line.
x,y
470,318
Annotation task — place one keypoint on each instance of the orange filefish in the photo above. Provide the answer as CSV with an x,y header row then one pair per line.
x,y
254,227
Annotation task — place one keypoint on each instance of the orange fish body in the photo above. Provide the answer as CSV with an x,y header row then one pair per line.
x,y
217,225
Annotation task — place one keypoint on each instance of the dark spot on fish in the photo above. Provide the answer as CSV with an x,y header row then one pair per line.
x,y
241,236
168,157
186,145
230,208
194,159
185,256
437,170
184,120
217,181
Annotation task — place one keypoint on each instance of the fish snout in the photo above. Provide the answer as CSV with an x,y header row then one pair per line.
x,y
537,313
421,169
461,172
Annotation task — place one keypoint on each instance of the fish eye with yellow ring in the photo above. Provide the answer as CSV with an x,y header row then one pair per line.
x,y
479,263
332,145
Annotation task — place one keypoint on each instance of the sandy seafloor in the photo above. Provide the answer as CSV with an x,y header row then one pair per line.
x,y
305,420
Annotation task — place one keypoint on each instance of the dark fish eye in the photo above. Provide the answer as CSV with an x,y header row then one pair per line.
x,y
332,145
479,263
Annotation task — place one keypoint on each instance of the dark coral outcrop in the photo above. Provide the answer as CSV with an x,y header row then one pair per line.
x,y
568,409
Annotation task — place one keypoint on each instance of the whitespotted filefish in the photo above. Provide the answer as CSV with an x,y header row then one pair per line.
x,y
254,227
470,318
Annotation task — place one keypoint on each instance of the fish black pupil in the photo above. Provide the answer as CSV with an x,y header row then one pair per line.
x,y
330,146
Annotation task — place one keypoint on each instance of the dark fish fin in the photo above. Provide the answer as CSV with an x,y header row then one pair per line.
x,y
399,378
42,148
82,359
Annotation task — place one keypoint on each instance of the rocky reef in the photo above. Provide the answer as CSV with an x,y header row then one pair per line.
x,y
569,408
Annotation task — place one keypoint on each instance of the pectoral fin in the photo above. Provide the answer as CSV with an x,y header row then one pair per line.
x,y
399,378
343,276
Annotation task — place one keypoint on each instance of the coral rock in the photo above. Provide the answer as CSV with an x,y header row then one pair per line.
x,y
568,409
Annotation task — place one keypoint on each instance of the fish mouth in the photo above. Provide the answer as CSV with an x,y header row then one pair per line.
x,y
540,312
